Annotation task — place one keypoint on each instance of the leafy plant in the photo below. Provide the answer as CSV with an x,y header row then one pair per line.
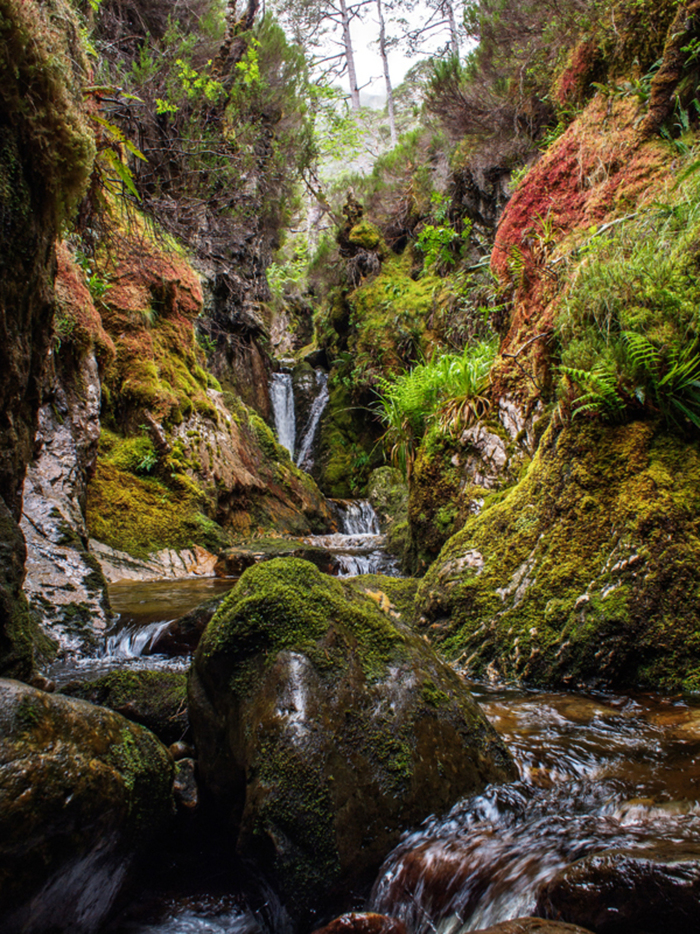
x,y
450,389
630,327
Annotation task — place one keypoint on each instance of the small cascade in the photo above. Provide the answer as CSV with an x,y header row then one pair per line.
x,y
304,458
282,401
357,517
359,548
135,640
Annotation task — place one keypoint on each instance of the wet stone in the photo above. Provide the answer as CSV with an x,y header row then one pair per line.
x,y
626,891
82,791
533,926
363,923
185,785
324,728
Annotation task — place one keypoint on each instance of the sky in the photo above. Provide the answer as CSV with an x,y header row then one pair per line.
x,y
365,35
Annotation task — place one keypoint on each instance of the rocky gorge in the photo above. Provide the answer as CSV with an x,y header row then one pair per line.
x,y
427,709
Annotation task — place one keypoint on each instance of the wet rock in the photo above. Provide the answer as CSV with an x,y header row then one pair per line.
x,y
324,728
364,923
533,926
180,750
82,791
387,492
185,785
48,151
625,891
182,636
167,564
236,560
154,699
64,583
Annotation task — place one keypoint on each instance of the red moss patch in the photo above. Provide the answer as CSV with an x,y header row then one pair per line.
x,y
77,320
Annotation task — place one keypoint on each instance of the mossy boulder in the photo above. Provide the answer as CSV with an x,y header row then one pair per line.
x,y
82,790
585,572
155,699
324,728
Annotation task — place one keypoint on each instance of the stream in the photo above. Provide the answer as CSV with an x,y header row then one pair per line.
x,y
596,771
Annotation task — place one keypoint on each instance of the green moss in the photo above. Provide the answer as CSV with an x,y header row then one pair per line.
x,y
141,515
288,603
432,694
266,439
154,699
582,572
367,236
43,66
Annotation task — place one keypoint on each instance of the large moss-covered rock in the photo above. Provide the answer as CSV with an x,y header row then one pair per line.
x,y
586,571
81,791
324,728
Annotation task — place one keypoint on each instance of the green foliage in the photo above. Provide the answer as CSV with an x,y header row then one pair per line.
x,y
207,133
450,389
630,326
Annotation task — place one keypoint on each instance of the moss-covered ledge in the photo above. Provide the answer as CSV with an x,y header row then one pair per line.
x,y
586,572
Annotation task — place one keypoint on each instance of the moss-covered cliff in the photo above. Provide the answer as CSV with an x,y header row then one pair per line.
x,y
46,154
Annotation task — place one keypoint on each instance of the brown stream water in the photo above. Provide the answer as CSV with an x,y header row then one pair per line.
x,y
596,771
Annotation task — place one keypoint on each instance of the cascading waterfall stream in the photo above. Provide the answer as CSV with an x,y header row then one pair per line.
x,y
282,401
359,547
304,458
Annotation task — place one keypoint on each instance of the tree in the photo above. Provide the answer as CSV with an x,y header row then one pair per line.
x,y
387,79
323,29
440,19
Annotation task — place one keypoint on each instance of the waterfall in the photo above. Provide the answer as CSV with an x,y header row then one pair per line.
x,y
304,458
357,517
282,400
135,641
359,547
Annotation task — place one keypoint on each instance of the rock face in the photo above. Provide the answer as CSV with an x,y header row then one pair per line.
x,y
64,584
81,791
625,891
324,728
452,477
585,571
46,152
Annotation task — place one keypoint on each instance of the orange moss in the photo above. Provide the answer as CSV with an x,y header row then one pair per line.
x,y
149,308
600,169
573,84
77,320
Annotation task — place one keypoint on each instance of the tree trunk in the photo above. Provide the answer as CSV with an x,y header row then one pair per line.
x,y
387,78
349,57
454,39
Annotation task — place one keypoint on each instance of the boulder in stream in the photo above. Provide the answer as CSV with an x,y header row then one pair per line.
x,y
82,790
324,728
154,699
533,926
628,891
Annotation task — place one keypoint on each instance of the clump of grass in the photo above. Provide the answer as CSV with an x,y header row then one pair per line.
x,y
450,389
629,329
